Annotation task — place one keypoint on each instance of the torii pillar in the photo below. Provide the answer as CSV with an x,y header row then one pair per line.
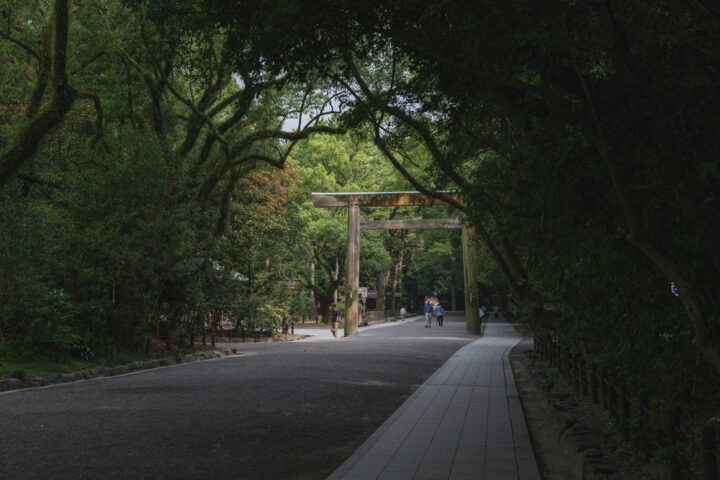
x,y
352,269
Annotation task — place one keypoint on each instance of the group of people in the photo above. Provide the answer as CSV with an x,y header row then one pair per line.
x,y
430,309
482,311
435,310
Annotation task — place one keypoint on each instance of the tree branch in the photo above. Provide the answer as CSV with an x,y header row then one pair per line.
x,y
91,59
379,141
27,142
20,44
421,128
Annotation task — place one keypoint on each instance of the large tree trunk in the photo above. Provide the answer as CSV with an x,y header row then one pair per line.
x,y
325,303
383,277
27,142
45,62
397,280
313,303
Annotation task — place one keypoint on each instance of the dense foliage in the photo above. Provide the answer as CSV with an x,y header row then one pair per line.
x,y
142,190
170,196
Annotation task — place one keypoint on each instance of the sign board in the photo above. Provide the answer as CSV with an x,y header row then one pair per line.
x,y
363,292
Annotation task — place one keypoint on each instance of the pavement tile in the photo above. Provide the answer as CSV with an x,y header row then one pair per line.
x,y
500,464
355,476
416,448
432,474
499,475
404,463
425,429
393,475
443,456
465,476
445,440
472,441
384,447
470,455
396,431
449,428
467,469
370,465
500,455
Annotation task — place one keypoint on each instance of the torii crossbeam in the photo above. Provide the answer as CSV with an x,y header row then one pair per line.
x,y
354,200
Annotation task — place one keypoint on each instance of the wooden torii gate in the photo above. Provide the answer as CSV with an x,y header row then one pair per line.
x,y
353,201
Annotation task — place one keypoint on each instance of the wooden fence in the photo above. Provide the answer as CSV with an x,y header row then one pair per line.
x,y
596,383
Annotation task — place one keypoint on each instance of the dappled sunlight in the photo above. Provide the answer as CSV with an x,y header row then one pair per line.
x,y
433,338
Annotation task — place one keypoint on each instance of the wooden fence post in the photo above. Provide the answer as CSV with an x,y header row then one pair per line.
x,y
583,375
594,387
613,400
672,436
625,405
709,460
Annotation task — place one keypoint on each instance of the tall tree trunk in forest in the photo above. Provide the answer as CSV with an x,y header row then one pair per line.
x,y
453,298
382,280
325,302
397,280
44,70
27,142
313,304
327,292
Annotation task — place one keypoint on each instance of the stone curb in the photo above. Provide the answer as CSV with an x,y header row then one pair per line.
x,y
578,441
8,384
279,338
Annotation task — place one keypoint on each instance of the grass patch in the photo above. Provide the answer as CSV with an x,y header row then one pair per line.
x,y
24,365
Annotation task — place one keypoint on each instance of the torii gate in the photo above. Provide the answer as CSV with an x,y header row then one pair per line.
x,y
354,200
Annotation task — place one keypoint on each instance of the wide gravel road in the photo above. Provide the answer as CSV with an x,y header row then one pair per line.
x,y
293,410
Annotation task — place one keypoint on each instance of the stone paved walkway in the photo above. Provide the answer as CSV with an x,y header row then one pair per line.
x,y
464,422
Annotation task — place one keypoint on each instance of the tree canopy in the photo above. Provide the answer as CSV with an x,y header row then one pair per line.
x,y
156,160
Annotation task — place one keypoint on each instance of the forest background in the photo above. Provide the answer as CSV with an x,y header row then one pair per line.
x,y
156,160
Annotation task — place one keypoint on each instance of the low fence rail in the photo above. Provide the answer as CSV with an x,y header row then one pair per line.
x,y
587,378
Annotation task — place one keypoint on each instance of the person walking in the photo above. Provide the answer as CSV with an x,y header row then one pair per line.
x,y
428,309
403,312
334,320
439,314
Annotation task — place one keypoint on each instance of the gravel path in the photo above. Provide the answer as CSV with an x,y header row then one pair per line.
x,y
291,410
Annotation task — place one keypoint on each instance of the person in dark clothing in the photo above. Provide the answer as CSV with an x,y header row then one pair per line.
x,y
334,321
439,314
